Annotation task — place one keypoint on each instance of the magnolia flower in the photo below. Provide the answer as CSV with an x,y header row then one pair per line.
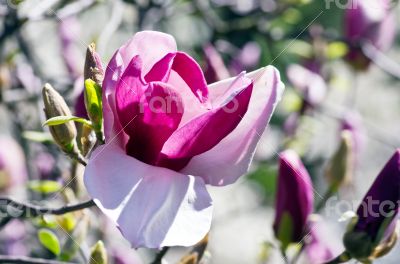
x,y
215,69
377,213
310,84
368,21
68,29
321,244
12,163
167,135
294,199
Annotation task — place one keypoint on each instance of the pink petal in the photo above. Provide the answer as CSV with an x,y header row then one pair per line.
x,y
152,206
151,46
186,67
192,74
204,132
231,158
148,113
161,70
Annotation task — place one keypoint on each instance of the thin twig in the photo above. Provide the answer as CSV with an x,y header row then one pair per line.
x,y
28,260
344,257
25,210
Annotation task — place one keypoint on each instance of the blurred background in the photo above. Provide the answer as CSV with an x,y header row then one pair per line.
x,y
336,79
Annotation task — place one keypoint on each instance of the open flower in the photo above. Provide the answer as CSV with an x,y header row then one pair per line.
x,y
168,134
294,199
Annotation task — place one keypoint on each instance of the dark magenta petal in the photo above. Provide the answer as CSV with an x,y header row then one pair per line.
x,y
186,67
294,196
149,113
80,109
382,200
204,132
161,70
192,74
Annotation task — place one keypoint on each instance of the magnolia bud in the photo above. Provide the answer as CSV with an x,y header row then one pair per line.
x,y
93,67
54,105
370,236
98,254
340,166
294,199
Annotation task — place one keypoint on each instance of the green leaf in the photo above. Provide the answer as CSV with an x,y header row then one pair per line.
x,y
93,103
71,246
45,187
37,136
265,176
59,120
49,240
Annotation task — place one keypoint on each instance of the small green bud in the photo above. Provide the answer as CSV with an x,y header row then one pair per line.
x,y
98,254
340,167
93,104
54,105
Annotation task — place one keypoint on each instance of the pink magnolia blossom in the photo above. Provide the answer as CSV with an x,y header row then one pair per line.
x,y
13,171
168,134
368,21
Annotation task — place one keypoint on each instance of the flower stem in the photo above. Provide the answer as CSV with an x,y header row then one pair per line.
x,y
344,257
25,210
28,260
160,255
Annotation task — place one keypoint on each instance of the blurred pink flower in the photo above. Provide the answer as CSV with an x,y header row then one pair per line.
x,y
352,122
12,163
45,164
247,58
309,84
68,31
14,234
168,134
368,21
215,69
319,248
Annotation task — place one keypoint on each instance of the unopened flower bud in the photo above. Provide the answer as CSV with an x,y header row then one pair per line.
x,y
294,200
54,105
377,214
339,169
98,254
93,66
